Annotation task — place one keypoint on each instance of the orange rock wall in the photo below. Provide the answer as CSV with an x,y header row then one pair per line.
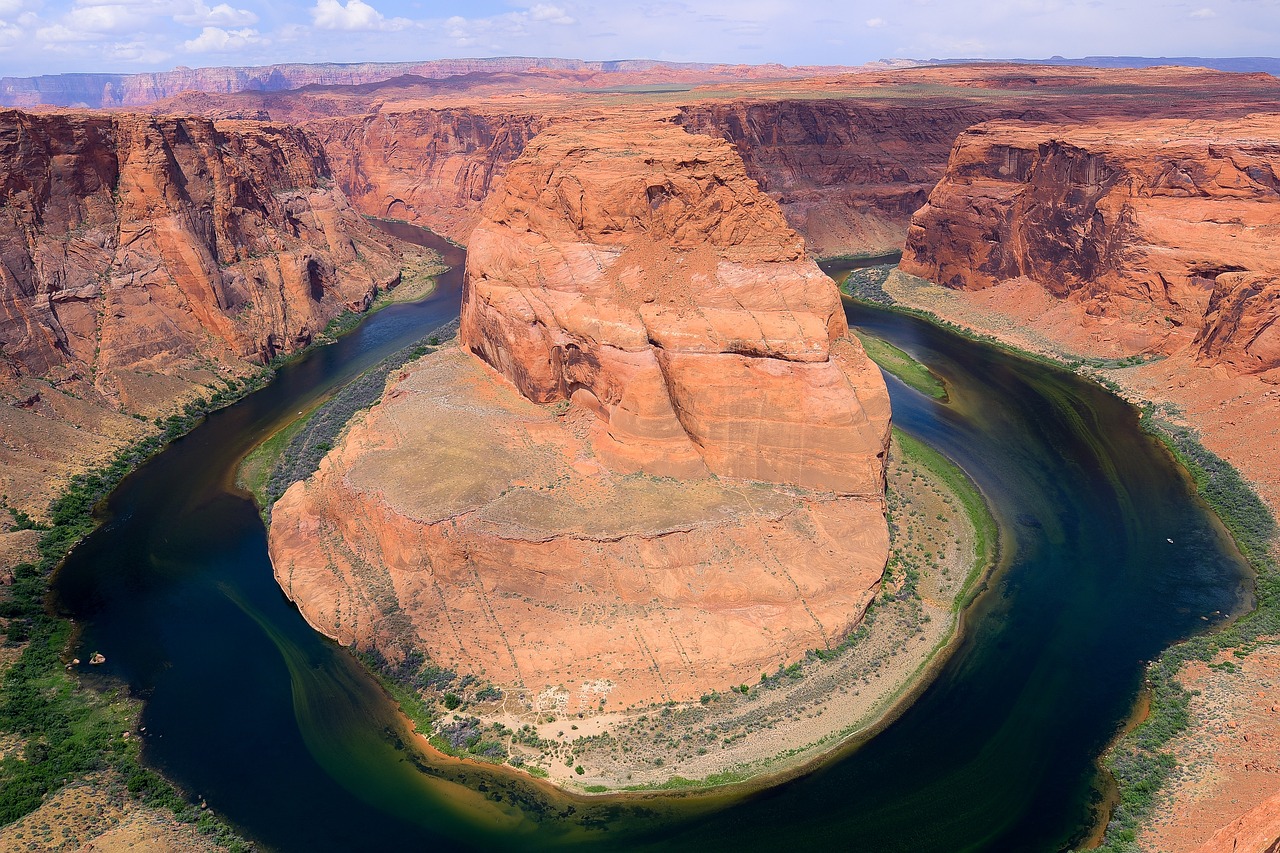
x,y
847,175
142,260
134,241
1166,225
430,167
636,268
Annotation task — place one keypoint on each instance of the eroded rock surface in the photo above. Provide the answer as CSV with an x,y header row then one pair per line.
x,y
670,479
145,255
1167,228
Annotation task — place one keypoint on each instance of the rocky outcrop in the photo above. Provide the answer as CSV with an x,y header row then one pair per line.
x,y
140,254
640,270
1162,225
663,474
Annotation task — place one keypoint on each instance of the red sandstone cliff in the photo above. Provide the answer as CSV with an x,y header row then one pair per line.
x,y
143,256
1167,227
554,525
847,174
430,167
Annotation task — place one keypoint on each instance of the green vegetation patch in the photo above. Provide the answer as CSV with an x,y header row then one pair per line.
x,y
900,364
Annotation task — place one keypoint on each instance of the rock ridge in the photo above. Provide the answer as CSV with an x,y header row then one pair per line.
x,y
1163,227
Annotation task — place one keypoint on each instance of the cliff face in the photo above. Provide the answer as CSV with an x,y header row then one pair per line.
x,y
1167,226
430,167
644,319
669,294
847,175
140,254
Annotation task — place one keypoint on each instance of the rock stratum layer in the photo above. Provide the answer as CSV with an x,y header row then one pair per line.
x,y
669,479
1165,230
145,256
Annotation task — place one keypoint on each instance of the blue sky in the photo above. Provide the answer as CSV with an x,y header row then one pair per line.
x,y
48,36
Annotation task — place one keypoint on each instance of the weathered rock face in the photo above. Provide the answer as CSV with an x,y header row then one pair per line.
x,y
552,525
431,167
847,174
138,249
637,268
1167,225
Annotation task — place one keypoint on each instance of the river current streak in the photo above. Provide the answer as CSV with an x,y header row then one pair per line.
x,y
286,736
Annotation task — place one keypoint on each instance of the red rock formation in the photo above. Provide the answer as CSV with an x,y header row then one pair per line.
x,y
1256,830
638,268
137,247
847,174
561,534
431,167
1167,226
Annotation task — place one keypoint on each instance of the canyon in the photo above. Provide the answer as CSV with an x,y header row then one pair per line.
x,y
655,467
147,261
1122,218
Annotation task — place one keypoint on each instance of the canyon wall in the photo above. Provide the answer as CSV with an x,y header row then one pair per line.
x,y
848,175
95,90
144,257
1167,228
430,167
663,473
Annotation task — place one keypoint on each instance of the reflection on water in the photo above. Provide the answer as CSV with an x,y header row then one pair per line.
x,y
288,738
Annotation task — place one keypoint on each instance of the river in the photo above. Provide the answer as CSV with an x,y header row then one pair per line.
x,y
284,734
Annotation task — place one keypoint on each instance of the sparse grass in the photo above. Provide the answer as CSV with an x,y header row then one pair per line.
x,y
295,452
986,531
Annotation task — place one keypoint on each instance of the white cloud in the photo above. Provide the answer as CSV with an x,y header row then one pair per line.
x,y
222,15
550,14
135,51
106,18
355,16
876,23
218,40
58,34
1204,13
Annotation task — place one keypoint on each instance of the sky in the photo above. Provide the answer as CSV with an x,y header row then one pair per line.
x,y
51,36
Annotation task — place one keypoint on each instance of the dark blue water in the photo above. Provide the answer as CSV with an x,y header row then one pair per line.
x,y
286,737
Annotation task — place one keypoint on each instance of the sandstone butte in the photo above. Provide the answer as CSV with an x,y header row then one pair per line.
x,y
654,468
146,257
